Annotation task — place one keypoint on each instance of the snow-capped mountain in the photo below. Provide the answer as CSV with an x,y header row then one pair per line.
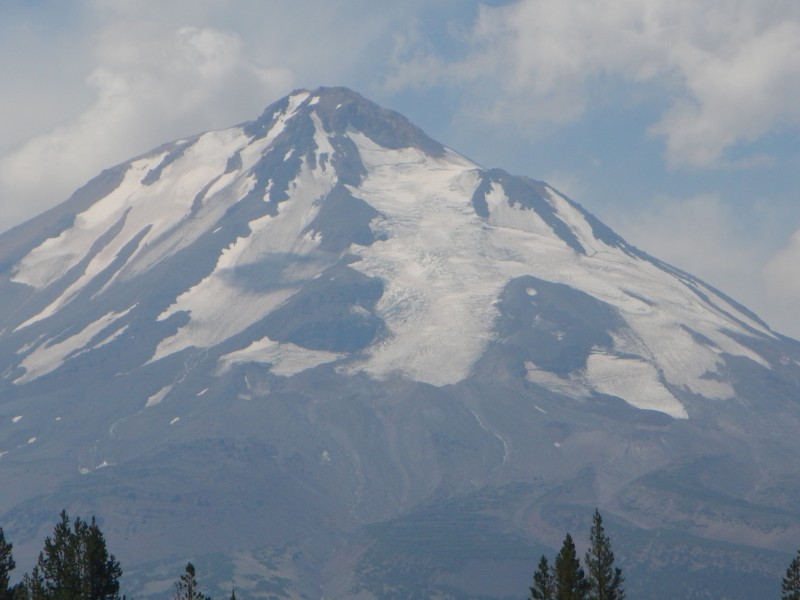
x,y
301,341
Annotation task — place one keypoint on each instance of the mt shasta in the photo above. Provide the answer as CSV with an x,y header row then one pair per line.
x,y
321,354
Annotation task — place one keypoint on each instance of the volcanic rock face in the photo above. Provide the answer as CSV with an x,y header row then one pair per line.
x,y
322,354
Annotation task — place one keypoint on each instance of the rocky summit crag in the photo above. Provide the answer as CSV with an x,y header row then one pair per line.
x,y
322,355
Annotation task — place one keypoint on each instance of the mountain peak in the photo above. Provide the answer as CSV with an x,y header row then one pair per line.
x,y
341,109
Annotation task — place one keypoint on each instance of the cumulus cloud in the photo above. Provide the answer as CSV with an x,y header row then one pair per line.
x,y
727,71
150,84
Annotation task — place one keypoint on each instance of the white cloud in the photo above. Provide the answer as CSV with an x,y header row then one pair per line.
x,y
735,95
150,84
728,70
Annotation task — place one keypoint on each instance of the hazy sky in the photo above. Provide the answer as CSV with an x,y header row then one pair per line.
x,y
674,121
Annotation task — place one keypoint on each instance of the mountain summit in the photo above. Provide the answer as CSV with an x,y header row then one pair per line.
x,y
335,357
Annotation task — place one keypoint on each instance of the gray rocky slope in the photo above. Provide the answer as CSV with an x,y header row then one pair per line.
x,y
322,355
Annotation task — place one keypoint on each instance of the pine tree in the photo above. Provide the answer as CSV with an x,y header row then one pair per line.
x,y
31,587
58,562
100,571
543,582
6,566
186,586
570,579
74,565
605,580
791,583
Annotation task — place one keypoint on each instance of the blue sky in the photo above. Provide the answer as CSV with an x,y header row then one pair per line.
x,y
674,121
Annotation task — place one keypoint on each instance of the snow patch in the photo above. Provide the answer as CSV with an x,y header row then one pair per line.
x,y
567,386
503,212
30,345
50,356
575,220
218,306
435,262
295,101
726,305
110,338
635,381
55,256
656,330
286,359
158,396
157,209
444,268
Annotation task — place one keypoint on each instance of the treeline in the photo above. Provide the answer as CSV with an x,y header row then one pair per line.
x,y
76,565
566,579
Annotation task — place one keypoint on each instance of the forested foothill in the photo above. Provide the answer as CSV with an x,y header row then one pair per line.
x,y
75,564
